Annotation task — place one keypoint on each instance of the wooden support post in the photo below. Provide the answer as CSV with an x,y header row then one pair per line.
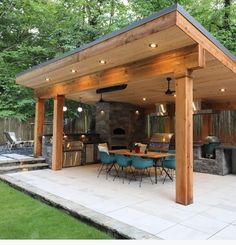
x,y
184,138
38,127
57,132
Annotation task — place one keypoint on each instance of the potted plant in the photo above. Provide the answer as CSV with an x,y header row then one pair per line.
x,y
137,148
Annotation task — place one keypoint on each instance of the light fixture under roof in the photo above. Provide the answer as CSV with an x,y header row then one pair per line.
x,y
144,99
80,108
64,108
153,45
73,71
137,112
222,90
103,62
47,79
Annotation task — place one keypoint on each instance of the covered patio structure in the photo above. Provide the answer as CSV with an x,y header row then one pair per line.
x,y
169,43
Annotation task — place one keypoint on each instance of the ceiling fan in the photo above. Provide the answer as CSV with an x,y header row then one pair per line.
x,y
169,91
101,99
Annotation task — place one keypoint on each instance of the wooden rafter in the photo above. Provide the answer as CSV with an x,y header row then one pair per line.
x,y
191,57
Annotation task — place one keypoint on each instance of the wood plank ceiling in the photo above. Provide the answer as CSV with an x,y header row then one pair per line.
x,y
133,47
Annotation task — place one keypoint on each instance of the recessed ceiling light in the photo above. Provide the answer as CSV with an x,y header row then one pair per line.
x,y
47,79
144,99
73,71
153,45
222,90
103,62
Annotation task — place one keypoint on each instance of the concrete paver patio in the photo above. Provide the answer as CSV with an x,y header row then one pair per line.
x,y
150,208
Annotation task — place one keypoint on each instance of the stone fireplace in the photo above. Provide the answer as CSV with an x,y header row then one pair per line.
x,y
120,124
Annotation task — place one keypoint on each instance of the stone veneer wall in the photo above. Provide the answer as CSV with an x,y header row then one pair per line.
x,y
120,115
221,165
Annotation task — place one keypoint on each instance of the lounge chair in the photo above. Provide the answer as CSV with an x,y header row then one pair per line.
x,y
13,142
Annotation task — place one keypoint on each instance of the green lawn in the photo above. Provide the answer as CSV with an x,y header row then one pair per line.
x,y
22,217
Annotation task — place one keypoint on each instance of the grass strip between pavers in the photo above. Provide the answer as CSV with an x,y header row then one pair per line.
x,y
22,217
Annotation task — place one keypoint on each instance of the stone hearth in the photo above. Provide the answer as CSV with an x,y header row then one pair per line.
x,y
119,125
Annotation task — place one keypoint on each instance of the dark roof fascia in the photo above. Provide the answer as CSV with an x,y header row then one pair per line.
x,y
174,7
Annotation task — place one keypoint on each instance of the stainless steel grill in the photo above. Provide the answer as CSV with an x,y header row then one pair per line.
x,y
210,143
72,153
73,145
162,142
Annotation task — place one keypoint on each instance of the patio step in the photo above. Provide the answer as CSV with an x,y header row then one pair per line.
x,y
23,167
16,162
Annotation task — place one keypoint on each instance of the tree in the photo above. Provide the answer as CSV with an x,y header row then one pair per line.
x,y
34,31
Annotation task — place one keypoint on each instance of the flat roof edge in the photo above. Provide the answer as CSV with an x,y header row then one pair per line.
x,y
206,33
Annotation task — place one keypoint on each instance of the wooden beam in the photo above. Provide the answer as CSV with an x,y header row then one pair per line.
x,y
220,106
166,63
205,43
184,138
57,154
38,127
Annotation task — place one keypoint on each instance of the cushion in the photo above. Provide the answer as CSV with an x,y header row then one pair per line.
x,y
13,136
103,147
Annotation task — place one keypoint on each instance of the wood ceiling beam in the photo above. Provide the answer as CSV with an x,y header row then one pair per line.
x,y
220,106
191,57
205,43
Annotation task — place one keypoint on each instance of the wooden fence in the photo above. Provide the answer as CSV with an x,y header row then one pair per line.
x,y
25,130
223,125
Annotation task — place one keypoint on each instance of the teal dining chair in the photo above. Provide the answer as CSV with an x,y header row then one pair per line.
x,y
142,165
123,163
108,162
169,163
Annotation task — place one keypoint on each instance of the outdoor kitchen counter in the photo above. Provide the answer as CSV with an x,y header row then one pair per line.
x,y
231,151
78,149
222,164
226,146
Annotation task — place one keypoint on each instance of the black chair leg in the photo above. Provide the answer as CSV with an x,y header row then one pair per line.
x,y
114,165
100,170
133,174
107,171
123,174
117,173
167,171
141,178
149,174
